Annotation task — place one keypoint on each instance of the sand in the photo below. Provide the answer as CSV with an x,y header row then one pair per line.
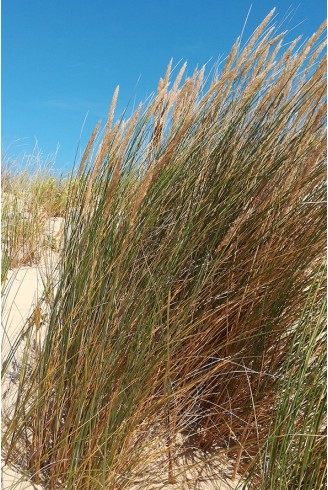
x,y
11,480
23,288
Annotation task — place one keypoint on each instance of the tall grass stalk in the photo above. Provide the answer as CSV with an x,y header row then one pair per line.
x,y
294,454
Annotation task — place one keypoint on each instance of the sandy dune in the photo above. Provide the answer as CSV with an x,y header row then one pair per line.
x,y
23,288
11,480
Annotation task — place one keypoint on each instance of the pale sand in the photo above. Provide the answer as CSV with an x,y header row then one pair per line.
x,y
23,288
11,480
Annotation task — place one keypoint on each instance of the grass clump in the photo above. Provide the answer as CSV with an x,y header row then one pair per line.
x,y
30,199
293,456
191,242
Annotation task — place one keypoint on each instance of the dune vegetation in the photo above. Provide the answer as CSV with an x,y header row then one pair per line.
x,y
187,324
29,200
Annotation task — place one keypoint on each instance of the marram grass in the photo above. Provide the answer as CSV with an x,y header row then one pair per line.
x,y
30,197
194,233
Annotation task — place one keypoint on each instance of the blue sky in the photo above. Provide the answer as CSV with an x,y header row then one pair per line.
x,y
62,59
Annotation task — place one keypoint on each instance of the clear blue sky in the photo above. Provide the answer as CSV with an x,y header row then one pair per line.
x,y
62,59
